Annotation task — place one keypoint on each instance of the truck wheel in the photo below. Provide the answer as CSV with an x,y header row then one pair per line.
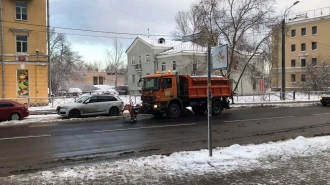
x,y
157,114
324,104
216,108
173,111
200,110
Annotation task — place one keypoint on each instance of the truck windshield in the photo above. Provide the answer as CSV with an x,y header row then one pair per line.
x,y
151,84
327,91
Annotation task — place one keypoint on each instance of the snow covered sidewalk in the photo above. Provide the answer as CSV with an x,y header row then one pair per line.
x,y
298,161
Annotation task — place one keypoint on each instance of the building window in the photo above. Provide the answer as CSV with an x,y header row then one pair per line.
x,y
139,65
140,60
293,63
140,76
293,78
95,80
303,47
163,66
254,86
314,61
133,78
314,45
293,48
174,65
133,60
314,30
303,62
21,10
293,33
303,31
303,77
21,44
100,80
147,59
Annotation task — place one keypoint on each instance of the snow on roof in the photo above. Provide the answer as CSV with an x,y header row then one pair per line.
x,y
104,87
185,47
155,42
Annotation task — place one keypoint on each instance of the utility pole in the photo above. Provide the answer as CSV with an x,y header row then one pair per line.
x,y
209,100
2,53
283,53
48,52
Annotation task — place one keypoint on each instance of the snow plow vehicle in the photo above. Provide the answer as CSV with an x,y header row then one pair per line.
x,y
171,94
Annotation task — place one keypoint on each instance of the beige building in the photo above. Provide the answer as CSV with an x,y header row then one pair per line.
x,y
24,47
307,44
100,78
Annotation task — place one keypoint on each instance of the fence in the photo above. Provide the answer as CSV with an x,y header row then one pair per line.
x,y
53,102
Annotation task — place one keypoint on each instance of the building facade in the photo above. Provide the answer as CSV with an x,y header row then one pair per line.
x,y
25,50
146,56
307,47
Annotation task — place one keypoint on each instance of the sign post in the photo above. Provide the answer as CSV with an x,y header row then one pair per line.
x,y
220,61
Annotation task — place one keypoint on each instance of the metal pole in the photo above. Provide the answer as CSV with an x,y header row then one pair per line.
x,y
283,60
2,53
48,52
209,100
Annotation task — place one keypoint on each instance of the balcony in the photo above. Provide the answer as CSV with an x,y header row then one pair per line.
x,y
138,67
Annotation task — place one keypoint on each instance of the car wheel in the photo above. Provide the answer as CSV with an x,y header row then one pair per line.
x,y
74,113
15,116
114,111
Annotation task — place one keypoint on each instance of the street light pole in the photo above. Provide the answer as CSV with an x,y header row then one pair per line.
x,y
283,53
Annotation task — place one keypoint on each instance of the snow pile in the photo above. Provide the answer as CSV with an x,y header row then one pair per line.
x,y
224,160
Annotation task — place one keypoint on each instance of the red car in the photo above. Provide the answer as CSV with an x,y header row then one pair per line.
x,y
11,110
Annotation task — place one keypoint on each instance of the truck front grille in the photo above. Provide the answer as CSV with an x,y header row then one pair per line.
x,y
148,99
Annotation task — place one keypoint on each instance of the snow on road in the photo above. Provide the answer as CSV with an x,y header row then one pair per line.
x,y
49,118
150,169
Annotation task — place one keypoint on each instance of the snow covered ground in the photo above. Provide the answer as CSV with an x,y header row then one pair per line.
x,y
154,169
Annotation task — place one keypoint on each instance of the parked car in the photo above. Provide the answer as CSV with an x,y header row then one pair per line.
x,y
95,104
11,110
325,97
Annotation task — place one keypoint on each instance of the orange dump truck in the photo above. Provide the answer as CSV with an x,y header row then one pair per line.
x,y
172,94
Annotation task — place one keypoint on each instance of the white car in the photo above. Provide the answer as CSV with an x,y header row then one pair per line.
x,y
95,104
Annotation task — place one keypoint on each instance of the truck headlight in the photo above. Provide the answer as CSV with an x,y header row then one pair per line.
x,y
155,106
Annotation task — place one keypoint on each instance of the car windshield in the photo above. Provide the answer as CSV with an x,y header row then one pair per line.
x,y
82,99
151,84
327,91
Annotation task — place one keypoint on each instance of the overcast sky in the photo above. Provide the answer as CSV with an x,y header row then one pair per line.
x,y
129,16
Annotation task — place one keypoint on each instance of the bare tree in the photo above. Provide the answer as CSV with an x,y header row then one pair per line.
x,y
115,58
244,25
65,63
316,75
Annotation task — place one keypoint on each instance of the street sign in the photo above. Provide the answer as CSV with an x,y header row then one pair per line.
x,y
220,57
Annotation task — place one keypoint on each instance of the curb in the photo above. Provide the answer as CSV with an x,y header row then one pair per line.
x,y
272,103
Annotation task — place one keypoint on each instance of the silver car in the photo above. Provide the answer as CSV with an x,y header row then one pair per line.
x,y
96,104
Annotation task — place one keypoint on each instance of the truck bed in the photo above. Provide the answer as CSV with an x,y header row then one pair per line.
x,y
196,87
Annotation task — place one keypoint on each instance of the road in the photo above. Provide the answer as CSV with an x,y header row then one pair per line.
x,y
38,147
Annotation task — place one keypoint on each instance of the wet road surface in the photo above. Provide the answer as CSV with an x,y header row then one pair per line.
x,y
38,147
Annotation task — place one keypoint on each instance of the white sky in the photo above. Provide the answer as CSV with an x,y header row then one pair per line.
x,y
139,16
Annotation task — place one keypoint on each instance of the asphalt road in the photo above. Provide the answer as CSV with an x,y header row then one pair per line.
x,y
37,147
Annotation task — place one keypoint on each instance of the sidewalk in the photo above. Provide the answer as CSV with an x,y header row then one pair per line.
x,y
298,161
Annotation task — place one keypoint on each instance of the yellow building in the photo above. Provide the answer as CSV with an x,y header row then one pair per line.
x,y
307,43
25,50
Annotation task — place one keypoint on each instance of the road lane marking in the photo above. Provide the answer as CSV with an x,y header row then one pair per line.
x,y
259,119
190,124
24,137
320,114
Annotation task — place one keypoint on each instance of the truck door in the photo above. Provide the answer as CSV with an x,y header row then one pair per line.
x,y
168,89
